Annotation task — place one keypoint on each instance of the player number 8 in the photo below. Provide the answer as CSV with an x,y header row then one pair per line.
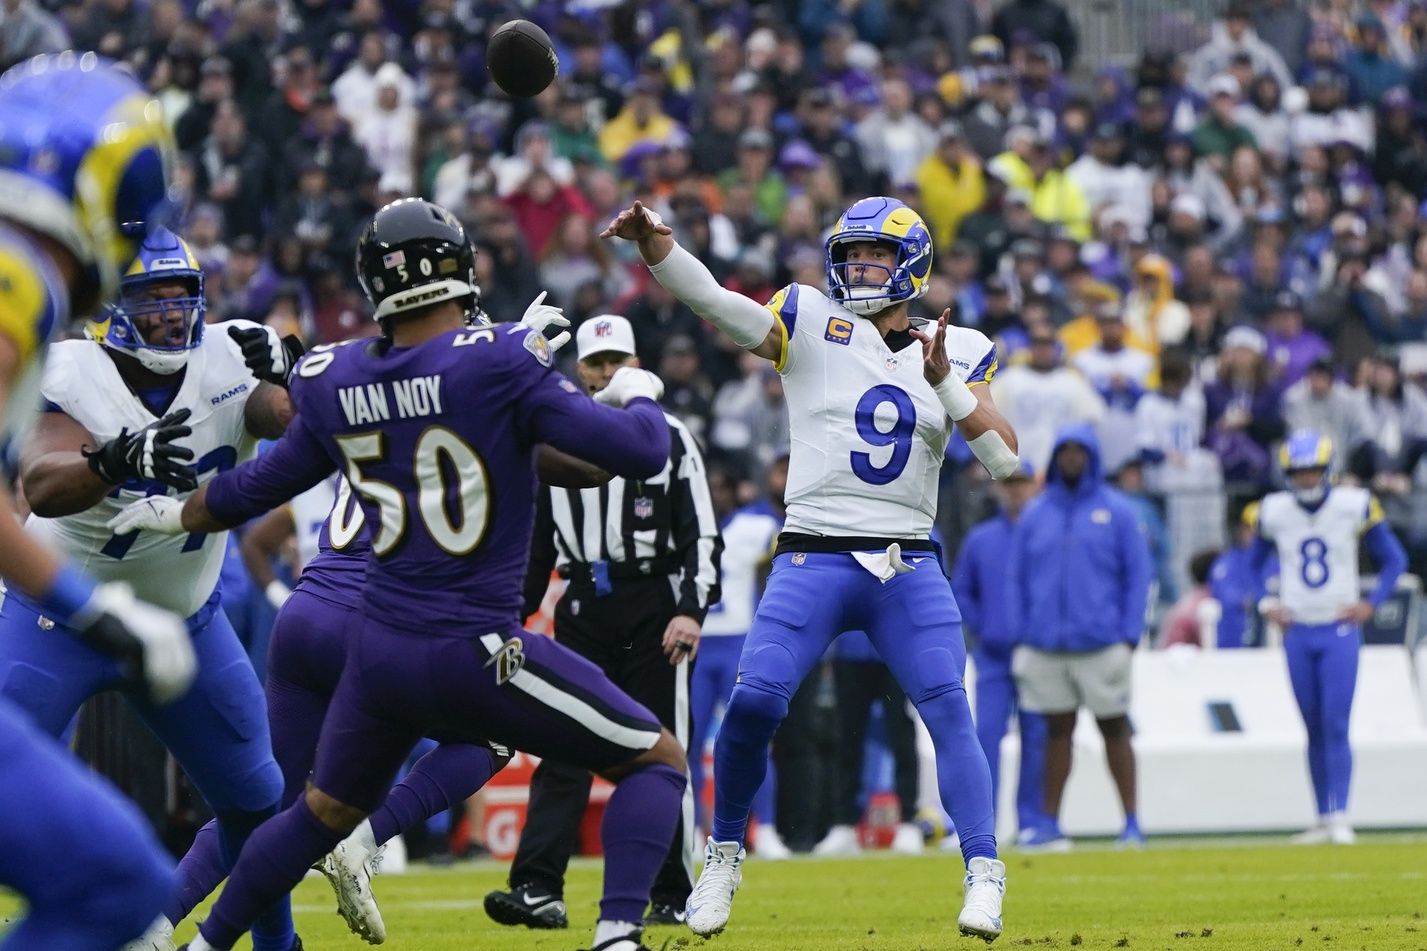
x,y
1314,552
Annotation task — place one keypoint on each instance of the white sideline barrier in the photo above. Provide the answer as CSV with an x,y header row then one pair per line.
x,y
1193,778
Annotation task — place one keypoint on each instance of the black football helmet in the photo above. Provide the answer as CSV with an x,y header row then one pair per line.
x,y
415,253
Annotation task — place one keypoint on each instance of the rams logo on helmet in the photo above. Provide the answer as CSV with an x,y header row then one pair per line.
x,y
84,151
888,221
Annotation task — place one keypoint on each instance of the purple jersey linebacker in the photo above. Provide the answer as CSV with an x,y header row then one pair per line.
x,y
438,439
453,423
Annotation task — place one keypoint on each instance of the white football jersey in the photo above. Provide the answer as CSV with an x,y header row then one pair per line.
x,y
309,513
177,572
1318,551
868,433
747,540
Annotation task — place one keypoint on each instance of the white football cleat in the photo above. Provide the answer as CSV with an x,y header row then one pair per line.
x,y
981,909
159,937
840,840
1314,835
768,845
908,840
711,901
1340,831
349,869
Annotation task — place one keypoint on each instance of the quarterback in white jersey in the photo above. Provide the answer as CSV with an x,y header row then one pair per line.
x,y
869,398
150,404
1315,527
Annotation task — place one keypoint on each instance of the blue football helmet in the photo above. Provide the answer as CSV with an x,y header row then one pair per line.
x,y
164,258
1307,449
892,222
84,151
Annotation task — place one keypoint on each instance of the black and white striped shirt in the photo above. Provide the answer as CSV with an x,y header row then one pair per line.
x,y
669,517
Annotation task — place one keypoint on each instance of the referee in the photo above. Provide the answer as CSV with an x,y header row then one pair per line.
x,y
642,563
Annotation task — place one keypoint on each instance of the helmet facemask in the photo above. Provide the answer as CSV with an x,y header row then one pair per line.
x,y
866,296
1306,494
130,321
887,222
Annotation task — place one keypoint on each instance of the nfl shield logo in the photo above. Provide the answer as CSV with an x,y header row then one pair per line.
x,y
799,557
643,508
604,328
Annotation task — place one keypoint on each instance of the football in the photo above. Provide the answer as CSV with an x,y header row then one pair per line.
x,y
521,58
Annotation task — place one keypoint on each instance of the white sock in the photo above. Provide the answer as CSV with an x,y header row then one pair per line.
x,y
608,930
1338,818
363,835
198,944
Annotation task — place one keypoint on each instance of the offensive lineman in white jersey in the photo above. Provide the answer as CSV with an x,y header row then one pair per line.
x,y
115,407
1315,527
869,396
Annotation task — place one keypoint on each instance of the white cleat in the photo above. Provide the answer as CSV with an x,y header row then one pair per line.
x,y
1339,831
768,845
349,869
981,909
908,840
711,901
1313,835
840,840
159,937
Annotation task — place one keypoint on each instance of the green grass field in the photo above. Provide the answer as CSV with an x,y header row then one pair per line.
x,y
1183,895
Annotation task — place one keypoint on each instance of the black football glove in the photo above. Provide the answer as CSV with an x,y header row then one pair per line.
x,y
150,453
269,356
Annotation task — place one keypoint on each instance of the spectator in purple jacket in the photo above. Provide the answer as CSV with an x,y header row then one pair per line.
x,y
1292,349
1242,409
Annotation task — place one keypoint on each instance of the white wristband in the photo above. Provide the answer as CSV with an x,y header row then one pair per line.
x,y
956,397
277,593
994,454
746,321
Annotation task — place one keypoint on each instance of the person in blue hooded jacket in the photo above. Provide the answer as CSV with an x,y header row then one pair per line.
x,y
1079,577
979,583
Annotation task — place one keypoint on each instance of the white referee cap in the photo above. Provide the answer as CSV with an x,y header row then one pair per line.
x,y
602,334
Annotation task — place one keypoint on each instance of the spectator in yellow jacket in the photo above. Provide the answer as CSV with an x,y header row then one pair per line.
x,y
1151,310
640,120
951,182
1055,198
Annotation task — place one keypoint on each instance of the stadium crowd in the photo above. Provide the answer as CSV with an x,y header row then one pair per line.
x,y
1195,252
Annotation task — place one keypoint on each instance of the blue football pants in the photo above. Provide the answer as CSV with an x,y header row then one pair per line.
x,y
218,730
710,685
85,860
1323,668
913,623
995,703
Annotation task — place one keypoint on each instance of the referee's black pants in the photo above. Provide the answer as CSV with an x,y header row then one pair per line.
x,y
623,633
